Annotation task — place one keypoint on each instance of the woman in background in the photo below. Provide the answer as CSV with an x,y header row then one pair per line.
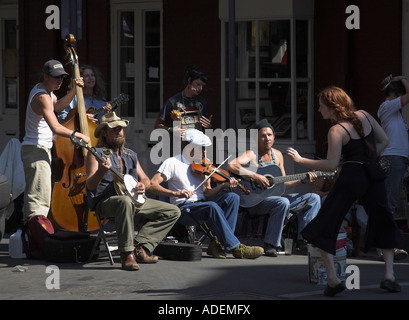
x,y
94,94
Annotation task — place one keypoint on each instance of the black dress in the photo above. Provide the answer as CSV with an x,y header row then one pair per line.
x,y
354,183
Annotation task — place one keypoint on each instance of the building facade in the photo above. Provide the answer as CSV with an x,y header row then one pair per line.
x,y
285,52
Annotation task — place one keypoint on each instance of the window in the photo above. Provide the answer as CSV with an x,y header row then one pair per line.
x,y
10,69
273,75
9,77
152,50
138,62
127,61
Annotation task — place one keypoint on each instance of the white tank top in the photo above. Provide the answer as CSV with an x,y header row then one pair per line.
x,y
38,132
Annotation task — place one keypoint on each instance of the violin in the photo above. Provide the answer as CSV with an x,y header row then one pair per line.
x,y
219,175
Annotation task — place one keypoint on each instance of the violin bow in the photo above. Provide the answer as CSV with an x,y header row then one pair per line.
x,y
208,177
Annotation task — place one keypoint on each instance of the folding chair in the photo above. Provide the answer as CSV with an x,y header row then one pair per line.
x,y
254,226
187,233
102,236
207,233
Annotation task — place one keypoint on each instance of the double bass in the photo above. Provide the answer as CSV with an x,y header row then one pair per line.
x,y
68,203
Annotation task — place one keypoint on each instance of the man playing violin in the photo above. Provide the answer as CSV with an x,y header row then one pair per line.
x,y
208,204
103,198
306,206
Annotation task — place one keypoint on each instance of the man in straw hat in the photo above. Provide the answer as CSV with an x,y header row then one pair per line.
x,y
208,204
102,197
40,127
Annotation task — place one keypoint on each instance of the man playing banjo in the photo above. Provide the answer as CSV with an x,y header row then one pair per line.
x,y
126,208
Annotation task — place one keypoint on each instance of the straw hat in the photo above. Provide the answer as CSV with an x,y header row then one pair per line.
x,y
111,120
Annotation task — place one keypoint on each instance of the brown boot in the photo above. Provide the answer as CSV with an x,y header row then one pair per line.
x,y
128,261
143,257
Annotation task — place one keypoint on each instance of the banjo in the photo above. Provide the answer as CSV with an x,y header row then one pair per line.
x,y
125,184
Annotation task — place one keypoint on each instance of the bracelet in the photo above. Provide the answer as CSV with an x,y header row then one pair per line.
x,y
73,133
302,181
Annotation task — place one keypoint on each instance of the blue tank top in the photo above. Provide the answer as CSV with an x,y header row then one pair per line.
x,y
106,188
265,164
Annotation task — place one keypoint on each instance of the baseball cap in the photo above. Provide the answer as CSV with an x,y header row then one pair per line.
x,y
54,68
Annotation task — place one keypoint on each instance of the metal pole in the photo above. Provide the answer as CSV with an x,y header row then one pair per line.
x,y
232,64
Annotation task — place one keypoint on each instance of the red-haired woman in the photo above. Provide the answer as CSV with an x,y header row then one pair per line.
x,y
358,137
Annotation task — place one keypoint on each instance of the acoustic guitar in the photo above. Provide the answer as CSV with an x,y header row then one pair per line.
x,y
122,98
276,184
124,183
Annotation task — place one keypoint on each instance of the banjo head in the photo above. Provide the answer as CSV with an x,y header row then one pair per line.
x,y
130,183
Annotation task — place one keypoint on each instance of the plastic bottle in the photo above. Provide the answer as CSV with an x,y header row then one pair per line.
x,y
16,245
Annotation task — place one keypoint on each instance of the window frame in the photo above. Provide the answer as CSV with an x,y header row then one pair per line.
x,y
293,80
140,64
6,16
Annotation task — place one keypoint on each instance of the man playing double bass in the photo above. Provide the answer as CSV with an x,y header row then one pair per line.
x,y
40,126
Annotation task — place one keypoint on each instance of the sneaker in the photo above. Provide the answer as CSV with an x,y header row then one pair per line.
x,y
399,254
270,250
215,249
247,252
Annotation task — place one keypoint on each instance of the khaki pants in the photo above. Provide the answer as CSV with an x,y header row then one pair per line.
x,y
160,218
37,169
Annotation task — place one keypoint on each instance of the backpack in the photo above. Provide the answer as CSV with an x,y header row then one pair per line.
x,y
37,229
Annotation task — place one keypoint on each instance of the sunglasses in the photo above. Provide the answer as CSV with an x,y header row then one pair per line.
x,y
59,77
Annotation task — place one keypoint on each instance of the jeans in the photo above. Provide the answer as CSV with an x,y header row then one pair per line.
x,y
394,181
220,214
277,207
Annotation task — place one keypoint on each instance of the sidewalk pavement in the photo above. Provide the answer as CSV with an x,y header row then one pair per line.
x,y
266,278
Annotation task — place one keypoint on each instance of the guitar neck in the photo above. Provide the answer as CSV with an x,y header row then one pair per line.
x,y
114,106
113,103
117,174
297,176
